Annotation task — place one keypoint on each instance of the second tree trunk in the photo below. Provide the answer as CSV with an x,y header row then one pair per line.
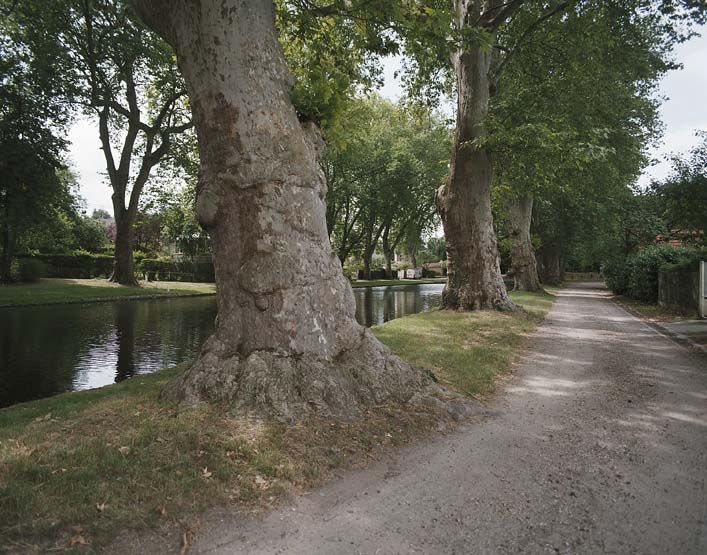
x,y
474,279
523,264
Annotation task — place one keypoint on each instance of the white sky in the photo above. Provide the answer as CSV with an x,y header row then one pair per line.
x,y
683,113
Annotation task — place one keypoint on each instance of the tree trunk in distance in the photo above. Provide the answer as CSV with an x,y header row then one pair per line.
x,y
6,256
123,268
523,265
474,279
286,342
367,265
552,274
387,254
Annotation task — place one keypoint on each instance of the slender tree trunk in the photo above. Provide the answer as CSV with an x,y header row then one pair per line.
x,y
523,265
7,255
474,279
412,257
372,238
367,265
123,267
387,253
286,342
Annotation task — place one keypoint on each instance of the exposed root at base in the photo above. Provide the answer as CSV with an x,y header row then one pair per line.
x,y
290,388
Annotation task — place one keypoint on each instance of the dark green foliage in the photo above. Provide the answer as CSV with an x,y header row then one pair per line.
x,y
637,275
30,270
77,266
681,199
89,234
615,273
688,262
173,270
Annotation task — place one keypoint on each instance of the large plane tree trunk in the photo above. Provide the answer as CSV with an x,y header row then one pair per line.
x,y
286,342
523,264
474,279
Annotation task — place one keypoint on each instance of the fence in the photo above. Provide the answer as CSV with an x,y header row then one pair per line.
x,y
679,290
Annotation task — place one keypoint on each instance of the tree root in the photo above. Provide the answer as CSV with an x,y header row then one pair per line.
x,y
290,387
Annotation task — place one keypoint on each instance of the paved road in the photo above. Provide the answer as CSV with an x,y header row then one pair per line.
x,y
600,447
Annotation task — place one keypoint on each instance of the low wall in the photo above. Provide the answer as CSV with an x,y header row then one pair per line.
x,y
679,290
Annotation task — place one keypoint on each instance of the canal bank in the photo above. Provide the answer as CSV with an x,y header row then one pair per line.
x,y
59,347
80,467
68,291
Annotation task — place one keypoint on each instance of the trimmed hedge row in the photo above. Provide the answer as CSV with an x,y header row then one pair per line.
x,y
155,269
78,266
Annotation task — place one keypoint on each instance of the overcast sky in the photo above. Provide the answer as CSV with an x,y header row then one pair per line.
x,y
684,112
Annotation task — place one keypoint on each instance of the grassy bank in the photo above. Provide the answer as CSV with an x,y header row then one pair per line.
x,y
53,291
77,468
57,291
465,350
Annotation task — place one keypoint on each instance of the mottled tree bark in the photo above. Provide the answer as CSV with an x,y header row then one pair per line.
x,y
474,279
286,341
523,265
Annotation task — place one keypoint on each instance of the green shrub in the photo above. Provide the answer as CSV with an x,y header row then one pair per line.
x,y
350,272
157,269
643,270
30,270
688,262
82,265
636,276
615,274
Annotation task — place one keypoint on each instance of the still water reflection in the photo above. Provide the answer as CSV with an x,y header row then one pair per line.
x,y
46,350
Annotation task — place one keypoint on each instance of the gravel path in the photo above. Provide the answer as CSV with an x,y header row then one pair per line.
x,y
599,446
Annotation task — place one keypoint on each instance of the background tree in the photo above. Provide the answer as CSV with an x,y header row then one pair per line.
x,y
125,76
381,180
32,118
681,199
550,125
480,54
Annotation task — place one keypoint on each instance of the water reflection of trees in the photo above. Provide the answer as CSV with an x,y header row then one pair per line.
x,y
381,304
51,349
46,350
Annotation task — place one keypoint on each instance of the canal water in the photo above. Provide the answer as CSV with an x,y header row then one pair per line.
x,y
45,350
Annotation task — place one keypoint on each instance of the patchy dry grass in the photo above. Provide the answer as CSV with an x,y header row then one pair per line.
x,y
56,291
466,350
78,468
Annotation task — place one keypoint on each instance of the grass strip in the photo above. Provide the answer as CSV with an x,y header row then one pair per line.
x,y
78,468
58,291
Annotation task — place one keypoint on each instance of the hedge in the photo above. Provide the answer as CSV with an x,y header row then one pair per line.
x,y
636,276
77,266
155,269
